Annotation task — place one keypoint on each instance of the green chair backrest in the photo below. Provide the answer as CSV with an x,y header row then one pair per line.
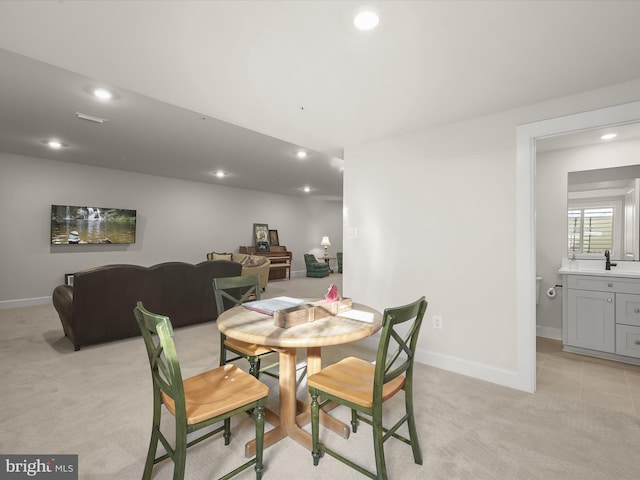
x,y
400,327
310,260
235,290
157,333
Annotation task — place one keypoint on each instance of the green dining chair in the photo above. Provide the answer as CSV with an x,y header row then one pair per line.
x,y
229,292
363,387
196,402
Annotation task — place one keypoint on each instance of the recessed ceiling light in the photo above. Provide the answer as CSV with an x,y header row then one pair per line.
x,y
366,20
55,144
102,94
220,174
301,154
307,189
608,136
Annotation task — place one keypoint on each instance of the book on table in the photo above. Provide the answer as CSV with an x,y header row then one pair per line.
x,y
269,306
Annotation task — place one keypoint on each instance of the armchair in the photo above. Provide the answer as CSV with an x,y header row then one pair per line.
x,y
314,267
251,264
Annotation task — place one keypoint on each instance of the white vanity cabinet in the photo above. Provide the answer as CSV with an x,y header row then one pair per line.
x,y
601,316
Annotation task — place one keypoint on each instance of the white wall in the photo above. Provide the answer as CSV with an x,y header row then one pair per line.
x,y
436,217
177,221
551,215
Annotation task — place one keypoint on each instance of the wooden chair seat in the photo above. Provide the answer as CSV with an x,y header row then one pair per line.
x,y
352,380
244,348
217,391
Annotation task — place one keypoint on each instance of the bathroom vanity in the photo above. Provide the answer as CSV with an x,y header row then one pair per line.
x,y
601,311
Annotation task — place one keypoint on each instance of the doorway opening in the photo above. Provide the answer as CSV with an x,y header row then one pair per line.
x,y
526,136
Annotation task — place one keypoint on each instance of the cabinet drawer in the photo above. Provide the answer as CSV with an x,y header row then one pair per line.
x,y
628,340
628,309
604,284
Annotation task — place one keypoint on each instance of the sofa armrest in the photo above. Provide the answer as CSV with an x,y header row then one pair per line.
x,y
63,303
63,300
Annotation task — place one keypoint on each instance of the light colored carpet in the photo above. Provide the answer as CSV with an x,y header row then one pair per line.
x,y
97,403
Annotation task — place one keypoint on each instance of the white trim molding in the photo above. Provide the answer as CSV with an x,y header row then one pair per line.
x,y
526,136
25,302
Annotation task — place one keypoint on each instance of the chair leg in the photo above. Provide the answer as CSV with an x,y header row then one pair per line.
x,y
180,452
223,352
354,420
227,431
151,455
411,424
252,366
155,433
257,367
259,440
378,446
315,427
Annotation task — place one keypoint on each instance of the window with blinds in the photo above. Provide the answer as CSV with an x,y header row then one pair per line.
x,y
590,230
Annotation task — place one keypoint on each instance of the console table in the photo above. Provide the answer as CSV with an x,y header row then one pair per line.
x,y
280,260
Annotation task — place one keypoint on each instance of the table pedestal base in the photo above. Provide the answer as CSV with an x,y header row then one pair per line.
x,y
289,422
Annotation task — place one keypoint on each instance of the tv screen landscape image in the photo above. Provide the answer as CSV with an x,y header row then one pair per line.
x,y
72,225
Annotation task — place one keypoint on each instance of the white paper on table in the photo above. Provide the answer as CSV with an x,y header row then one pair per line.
x,y
358,315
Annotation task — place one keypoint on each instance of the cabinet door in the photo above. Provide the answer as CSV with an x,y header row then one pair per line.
x,y
628,340
591,320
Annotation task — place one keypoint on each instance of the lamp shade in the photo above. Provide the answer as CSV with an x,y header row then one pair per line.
x,y
325,241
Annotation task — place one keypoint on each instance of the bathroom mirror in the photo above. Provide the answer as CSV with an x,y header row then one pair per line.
x,y
604,213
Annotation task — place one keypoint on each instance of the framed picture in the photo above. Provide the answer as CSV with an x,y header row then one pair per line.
x,y
262,247
68,279
260,234
273,238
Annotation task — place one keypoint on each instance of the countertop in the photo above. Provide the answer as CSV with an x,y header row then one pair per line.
x,y
624,269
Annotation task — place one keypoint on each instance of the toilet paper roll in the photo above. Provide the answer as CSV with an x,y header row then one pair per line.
x,y
551,292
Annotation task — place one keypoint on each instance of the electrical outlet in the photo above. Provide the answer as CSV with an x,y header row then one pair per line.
x,y
437,322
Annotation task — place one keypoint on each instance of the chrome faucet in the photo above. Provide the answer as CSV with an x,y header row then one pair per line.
x,y
608,264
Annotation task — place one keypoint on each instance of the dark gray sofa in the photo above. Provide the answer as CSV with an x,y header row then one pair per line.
x,y
99,306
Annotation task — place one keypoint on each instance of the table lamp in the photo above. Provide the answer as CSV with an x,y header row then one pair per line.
x,y
325,243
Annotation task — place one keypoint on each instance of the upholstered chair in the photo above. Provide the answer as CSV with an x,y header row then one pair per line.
x,y
314,267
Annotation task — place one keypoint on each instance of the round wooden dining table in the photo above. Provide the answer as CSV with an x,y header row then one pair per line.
x,y
254,327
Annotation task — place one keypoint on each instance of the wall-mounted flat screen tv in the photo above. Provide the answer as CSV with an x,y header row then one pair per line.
x,y
71,225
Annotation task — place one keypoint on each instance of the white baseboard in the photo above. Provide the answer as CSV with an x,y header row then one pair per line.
x,y
506,378
24,302
499,376
549,332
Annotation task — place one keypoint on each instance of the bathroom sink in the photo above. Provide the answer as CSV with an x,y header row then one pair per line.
x,y
605,273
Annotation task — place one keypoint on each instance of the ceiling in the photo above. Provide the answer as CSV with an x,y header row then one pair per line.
x,y
626,132
213,80
40,102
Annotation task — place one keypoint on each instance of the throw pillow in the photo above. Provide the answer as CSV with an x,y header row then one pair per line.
x,y
257,261
253,261
220,256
